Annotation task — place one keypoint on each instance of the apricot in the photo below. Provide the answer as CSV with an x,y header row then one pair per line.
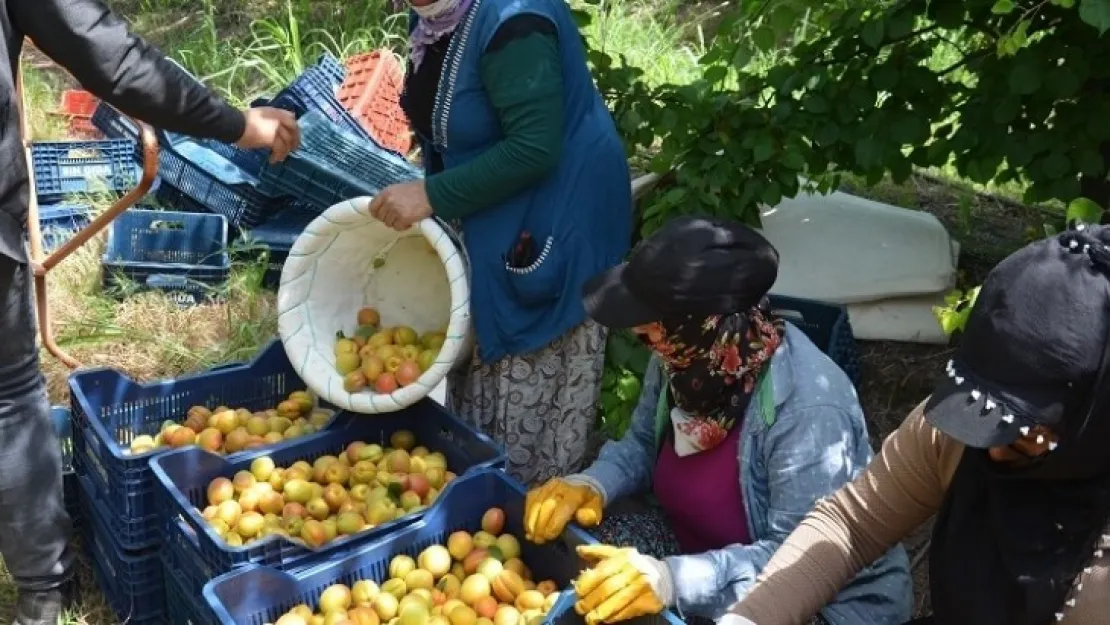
x,y
493,521
486,607
386,383
459,545
407,372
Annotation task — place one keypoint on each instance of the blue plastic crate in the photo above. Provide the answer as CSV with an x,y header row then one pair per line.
x,y
66,167
174,199
59,222
315,91
110,409
214,182
131,581
182,607
333,165
183,476
63,427
827,326
257,594
112,124
169,251
277,236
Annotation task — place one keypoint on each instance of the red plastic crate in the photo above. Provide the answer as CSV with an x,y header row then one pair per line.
x,y
78,105
372,93
78,102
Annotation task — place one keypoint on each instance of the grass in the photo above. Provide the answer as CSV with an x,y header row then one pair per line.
x,y
246,50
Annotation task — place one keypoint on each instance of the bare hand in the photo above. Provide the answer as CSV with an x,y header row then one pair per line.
x,y
401,205
272,128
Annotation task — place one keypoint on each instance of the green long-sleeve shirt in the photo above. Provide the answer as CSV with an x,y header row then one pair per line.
x,y
524,82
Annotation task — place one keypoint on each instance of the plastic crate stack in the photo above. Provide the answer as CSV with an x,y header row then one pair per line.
x,y
122,527
372,93
181,254
59,222
276,237
63,427
66,168
827,325
333,165
261,594
193,553
78,106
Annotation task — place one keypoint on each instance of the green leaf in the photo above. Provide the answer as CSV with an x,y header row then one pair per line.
x,y
1006,109
1096,13
1056,165
948,319
1002,7
900,25
764,38
1067,4
872,33
885,77
1089,162
815,104
1025,77
771,195
716,74
764,148
869,152
793,160
949,15
1083,210
827,134
783,19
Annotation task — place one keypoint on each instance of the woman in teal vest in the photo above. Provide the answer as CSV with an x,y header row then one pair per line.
x,y
521,154
742,425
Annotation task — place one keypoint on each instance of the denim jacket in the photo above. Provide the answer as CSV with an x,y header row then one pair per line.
x,y
814,441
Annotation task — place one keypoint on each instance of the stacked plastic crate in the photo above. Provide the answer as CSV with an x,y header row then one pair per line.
x,y
122,527
194,553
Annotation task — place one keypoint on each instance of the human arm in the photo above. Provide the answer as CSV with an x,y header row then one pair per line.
x,y
95,45
522,75
901,488
624,467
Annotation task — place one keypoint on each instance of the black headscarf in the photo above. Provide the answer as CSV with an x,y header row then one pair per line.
x,y
1010,544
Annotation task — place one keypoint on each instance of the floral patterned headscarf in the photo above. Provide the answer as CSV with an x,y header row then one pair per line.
x,y
713,364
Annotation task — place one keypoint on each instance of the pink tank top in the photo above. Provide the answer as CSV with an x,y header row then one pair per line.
x,y
701,495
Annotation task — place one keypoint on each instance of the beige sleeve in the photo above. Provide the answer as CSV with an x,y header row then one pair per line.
x,y
901,488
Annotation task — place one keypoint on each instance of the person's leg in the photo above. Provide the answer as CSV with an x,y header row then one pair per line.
x,y
542,406
34,526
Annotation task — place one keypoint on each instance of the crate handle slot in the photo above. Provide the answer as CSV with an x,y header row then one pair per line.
x,y
83,153
161,224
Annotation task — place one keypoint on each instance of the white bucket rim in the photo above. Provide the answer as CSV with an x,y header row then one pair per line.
x,y
317,368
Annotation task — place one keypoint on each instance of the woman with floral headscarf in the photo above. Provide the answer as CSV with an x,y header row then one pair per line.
x,y
522,156
742,425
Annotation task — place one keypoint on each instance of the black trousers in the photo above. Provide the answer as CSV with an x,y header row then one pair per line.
x,y
925,620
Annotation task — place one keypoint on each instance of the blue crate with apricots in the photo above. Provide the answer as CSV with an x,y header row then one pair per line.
x,y
256,595
110,410
183,477
131,581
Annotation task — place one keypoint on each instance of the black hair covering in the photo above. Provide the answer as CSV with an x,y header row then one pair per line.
x,y
1009,543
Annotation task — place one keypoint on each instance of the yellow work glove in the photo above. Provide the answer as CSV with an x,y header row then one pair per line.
x,y
548,508
623,584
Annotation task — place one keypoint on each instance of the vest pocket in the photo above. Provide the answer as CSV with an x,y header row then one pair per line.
x,y
543,281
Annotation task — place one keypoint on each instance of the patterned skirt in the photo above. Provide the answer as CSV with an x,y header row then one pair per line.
x,y
541,406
